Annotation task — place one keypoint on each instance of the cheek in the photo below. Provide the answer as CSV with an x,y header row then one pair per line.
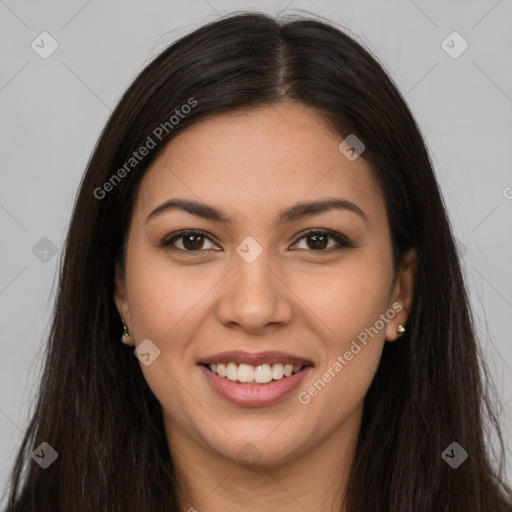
x,y
351,310
346,299
165,307
163,296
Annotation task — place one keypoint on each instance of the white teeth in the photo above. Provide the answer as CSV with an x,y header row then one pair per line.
x,y
221,370
277,371
245,373
232,371
261,374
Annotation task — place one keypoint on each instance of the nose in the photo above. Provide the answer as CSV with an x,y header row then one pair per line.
x,y
255,296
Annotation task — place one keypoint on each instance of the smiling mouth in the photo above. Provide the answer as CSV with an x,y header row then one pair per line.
x,y
250,374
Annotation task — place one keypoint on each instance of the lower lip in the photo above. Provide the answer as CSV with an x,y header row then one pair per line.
x,y
254,395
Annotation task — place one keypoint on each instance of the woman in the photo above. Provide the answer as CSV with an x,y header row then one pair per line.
x,y
261,226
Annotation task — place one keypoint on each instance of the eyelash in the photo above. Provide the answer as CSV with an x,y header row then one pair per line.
x,y
342,241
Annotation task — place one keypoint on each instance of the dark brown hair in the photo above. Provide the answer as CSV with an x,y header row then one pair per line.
x,y
94,405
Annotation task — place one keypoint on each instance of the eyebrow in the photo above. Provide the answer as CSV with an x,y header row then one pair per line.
x,y
292,214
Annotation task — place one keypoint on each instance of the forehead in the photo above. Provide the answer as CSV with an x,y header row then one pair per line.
x,y
264,159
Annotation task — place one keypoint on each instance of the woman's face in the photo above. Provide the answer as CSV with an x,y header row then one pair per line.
x,y
255,293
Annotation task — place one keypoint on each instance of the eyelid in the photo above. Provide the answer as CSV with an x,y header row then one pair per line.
x,y
340,239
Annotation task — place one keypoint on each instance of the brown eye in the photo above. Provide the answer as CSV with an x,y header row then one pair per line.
x,y
188,241
318,241
192,242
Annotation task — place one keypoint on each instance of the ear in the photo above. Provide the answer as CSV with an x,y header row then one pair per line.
x,y
120,295
402,294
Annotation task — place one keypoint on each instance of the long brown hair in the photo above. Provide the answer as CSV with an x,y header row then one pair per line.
x,y
94,405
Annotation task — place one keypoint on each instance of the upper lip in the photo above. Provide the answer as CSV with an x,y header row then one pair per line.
x,y
241,357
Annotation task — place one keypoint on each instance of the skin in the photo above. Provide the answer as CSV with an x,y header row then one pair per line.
x,y
306,302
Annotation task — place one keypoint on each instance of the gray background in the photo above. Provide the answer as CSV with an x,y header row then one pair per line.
x,y
52,111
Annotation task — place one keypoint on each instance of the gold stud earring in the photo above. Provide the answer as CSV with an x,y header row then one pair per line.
x,y
126,337
400,329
